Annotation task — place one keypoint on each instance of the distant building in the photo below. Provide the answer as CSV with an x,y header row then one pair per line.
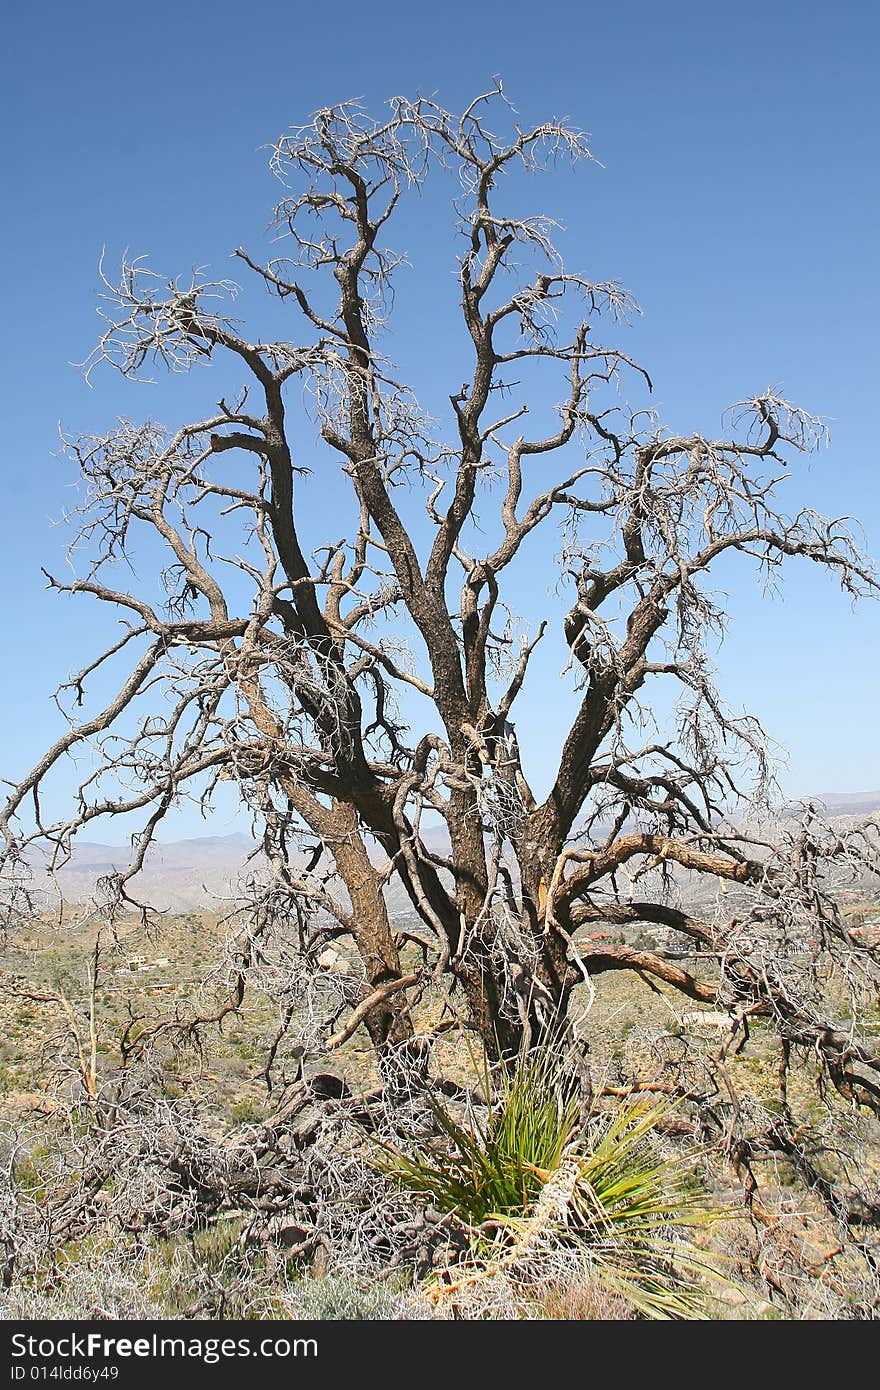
x,y
138,963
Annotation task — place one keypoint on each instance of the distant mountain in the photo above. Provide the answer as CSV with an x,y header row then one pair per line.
x,y
838,803
181,876
186,875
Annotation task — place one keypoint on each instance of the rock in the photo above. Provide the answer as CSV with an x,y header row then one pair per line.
x,y
293,1235
706,1020
325,1086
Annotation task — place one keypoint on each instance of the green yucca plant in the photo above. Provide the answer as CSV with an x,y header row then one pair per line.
x,y
496,1166
529,1177
632,1213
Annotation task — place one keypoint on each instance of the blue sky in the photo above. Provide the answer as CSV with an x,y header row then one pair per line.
x,y
738,200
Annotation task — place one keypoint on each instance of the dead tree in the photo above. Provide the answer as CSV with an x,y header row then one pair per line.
x,y
359,689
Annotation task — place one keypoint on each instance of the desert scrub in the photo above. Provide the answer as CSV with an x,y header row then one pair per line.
x,y
343,1297
247,1110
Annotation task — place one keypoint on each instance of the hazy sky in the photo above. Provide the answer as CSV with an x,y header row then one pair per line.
x,y
738,200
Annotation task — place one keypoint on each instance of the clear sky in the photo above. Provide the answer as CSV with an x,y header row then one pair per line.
x,y
738,200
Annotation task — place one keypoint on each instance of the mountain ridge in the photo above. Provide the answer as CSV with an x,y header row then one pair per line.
x,y
195,872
